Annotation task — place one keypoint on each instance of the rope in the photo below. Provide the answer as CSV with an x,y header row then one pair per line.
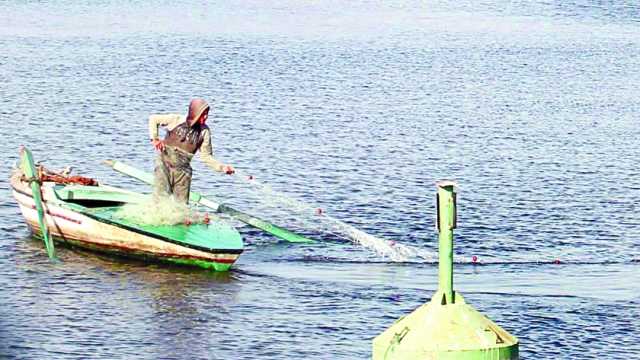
x,y
31,179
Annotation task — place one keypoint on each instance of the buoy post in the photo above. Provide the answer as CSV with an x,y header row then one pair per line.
x,y
446,222
445,327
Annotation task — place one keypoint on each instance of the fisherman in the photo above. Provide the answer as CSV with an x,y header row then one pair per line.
x,y
185,136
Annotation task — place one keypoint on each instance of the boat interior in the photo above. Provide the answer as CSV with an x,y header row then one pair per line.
x,y
96,196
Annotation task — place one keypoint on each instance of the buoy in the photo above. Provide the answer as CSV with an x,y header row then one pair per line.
x,y
250,177
474,259
319,211
446,327
556,261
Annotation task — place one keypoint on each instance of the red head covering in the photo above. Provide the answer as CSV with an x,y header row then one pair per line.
x,y
197,107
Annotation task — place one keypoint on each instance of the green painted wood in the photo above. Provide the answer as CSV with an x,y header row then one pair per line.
x,y
215,236
28,168
80,192
263,225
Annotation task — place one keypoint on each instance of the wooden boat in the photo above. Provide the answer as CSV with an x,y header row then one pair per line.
x,y
84,216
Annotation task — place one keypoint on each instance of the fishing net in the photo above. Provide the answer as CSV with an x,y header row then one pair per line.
x,y
291,211
161,211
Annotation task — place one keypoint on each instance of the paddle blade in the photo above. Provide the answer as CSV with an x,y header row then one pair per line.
x,y
263,225
28,168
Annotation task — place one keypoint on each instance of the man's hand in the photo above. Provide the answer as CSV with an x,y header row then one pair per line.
x,y
158,144
228,169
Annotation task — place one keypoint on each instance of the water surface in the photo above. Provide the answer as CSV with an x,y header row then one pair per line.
x,y
357,109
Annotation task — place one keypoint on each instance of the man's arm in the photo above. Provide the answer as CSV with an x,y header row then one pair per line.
x,y
206,153
169,120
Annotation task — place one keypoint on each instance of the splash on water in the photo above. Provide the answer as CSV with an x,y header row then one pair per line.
x,y
387,248
307,217
311,218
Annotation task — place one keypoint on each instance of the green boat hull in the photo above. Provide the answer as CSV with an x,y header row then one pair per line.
x,y
133,254
87,218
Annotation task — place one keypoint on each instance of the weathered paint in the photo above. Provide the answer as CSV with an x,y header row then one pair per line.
x,y
446,327
221,264
74,228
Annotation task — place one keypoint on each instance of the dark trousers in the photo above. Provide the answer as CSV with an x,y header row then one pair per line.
x,y
172,175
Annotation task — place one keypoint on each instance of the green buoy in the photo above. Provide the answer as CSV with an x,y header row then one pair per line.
x,y
446,327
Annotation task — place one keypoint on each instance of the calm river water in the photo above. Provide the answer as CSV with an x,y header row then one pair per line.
x,y
356,108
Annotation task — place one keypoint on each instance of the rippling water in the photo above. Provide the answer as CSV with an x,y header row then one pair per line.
x,y
356,108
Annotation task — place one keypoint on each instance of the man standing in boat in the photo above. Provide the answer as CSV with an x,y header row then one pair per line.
x,y
185,136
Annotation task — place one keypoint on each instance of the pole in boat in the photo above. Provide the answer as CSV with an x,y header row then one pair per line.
x,y
446,327
29,170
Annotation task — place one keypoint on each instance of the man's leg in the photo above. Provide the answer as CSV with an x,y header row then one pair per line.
x,y
182,185
162,180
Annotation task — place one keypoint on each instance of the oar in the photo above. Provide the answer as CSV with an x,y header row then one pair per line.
x,y
29,170
272,229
